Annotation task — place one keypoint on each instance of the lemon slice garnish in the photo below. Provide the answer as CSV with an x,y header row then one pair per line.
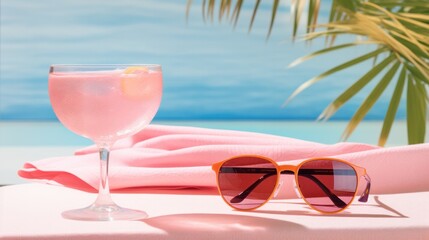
x,y
134,82
136,69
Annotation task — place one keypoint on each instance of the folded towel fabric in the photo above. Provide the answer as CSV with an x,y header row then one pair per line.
x,y
174,157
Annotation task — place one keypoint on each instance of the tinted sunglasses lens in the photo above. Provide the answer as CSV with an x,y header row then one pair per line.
x,y
247,182
327,185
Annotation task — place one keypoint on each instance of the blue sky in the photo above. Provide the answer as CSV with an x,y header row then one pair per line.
x,y
211,71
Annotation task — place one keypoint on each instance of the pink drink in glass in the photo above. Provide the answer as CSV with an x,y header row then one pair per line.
x,y
106,105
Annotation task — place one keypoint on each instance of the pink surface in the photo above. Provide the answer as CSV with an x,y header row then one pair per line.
x,y
171,157
33,211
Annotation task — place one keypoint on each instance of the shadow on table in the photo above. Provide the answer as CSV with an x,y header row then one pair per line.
x,y
390,212
236,226
240,226
222,226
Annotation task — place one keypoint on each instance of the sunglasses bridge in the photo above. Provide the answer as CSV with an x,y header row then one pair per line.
x,y
308,173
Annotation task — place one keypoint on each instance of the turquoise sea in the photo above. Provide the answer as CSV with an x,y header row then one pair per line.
x,y
14,133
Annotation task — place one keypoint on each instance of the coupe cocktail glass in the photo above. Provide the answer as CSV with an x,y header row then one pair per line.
x,y
105,103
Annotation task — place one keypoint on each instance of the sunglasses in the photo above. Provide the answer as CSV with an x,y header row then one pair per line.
x,y
327,185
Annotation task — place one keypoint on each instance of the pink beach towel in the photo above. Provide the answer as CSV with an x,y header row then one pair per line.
x,y
173,157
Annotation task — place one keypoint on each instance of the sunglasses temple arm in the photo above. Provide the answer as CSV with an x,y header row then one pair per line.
x,y
334,198
243,195
365,194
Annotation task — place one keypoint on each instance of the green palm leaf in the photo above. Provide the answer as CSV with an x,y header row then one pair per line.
x,y
326,50
236,12
313,13
273,16
204,10
416,111
397,27
339,13
417,74
340,67
410,47
297,7
354,89
370,101
208,7
255,10
401,3
393,107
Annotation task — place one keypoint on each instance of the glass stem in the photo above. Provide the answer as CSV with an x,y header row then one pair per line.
x,y
104,190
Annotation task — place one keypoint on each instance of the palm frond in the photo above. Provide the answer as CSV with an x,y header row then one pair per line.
x,y
401,3
188,9
204,10
392,109
406,39
397,27
313,14
210,9
370,101
416,111
354,89
297,6
338,68
370,27
273,16
417,74
255,10
236,12
339,13
411,16
225,6
326,50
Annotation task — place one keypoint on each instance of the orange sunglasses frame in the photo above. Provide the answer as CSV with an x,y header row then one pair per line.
x,y
360,172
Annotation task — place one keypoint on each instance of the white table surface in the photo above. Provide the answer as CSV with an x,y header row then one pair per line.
x,y
33,211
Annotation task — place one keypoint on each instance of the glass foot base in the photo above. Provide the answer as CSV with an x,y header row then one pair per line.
x,y
104,213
